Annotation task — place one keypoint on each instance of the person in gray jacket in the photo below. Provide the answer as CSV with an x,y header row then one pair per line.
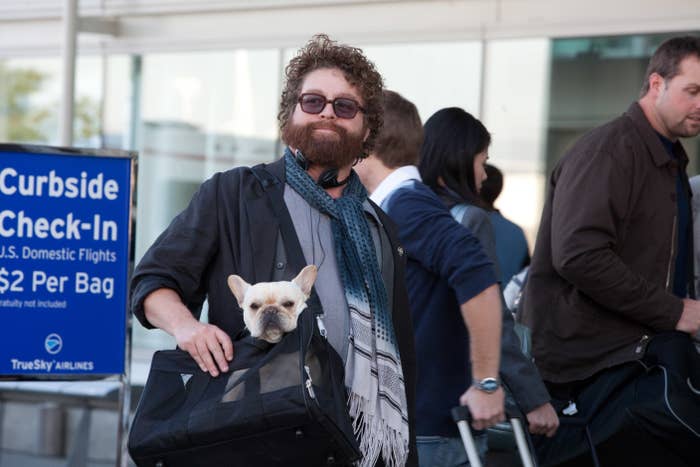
x,y
452,162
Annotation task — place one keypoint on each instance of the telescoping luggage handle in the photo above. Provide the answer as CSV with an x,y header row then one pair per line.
x,y
463,418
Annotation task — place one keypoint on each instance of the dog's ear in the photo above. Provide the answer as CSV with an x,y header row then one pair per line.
x,y
305,279
238,286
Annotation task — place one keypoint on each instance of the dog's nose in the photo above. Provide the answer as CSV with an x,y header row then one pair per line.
x,y
270,317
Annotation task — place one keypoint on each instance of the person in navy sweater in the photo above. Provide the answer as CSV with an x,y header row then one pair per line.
x,y
454,293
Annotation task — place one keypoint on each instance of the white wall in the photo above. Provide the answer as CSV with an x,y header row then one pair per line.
x,y
516,101
155,25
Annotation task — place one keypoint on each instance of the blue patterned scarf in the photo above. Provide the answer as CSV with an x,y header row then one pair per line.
x,y
377,401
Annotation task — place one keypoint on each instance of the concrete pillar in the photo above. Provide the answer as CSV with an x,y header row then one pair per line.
x,y
52,430
70,19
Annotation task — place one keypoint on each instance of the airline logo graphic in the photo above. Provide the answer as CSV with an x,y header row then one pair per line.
x,y
53,343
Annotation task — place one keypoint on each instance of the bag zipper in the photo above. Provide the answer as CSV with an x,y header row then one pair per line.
x,y
321,326
350,451
642,344
303,368
309,382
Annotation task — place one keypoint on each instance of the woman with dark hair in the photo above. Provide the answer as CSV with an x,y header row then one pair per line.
x,y
453,158
455,147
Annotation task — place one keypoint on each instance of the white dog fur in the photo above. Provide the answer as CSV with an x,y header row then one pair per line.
x,y
271,309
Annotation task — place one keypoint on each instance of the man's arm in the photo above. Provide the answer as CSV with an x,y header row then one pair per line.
x,y
517,371
482,316
445,247
523,380
484,330
208,345
167,289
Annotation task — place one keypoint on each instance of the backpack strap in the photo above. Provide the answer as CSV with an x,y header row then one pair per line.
x,y
269,182
458,211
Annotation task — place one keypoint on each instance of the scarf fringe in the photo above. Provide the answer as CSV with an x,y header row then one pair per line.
x,y
376,437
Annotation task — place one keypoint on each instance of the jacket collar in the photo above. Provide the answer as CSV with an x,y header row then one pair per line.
x,y
277,169
651,138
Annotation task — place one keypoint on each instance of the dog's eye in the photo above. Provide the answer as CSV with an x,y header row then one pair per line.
x,y
288,304
254,306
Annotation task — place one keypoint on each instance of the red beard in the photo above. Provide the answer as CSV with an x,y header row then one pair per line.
x,y
327,150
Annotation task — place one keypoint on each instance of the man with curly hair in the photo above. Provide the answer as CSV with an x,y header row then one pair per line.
x,y
309,207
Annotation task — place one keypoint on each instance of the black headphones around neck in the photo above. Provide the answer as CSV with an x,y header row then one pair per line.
x,y
327,179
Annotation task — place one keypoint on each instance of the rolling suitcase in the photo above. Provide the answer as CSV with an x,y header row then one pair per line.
x,y
462,417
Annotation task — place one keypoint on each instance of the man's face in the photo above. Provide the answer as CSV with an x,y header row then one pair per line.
x,y
324,138
678,100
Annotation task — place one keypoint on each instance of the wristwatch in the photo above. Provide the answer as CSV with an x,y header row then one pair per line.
x,y
488,385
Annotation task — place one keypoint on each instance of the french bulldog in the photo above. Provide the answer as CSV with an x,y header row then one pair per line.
x,y
271,309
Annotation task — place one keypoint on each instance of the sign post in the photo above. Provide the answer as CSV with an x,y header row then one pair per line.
x,y
65,259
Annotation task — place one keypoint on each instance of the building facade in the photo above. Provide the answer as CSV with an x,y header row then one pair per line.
x,y
194,86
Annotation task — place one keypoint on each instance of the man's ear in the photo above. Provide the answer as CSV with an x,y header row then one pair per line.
x,y
238,286
656,83
305,279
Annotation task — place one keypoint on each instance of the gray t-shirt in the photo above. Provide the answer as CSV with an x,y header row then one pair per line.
x,y
315,234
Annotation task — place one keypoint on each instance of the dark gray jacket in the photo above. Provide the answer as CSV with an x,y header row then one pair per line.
x,y
517,370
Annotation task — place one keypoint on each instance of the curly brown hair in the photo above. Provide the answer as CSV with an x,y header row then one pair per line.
x,y
322,52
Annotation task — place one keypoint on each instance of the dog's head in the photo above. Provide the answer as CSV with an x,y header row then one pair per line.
x,y
271,309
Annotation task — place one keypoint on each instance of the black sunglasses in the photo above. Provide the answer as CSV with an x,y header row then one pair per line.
x,y
343,107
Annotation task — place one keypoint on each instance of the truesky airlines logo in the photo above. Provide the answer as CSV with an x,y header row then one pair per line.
x,y
53,343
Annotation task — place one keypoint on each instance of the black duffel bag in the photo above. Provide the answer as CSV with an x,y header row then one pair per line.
x,y
640,413
281,404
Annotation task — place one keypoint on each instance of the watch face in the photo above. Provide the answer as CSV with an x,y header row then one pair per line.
x,y
488,384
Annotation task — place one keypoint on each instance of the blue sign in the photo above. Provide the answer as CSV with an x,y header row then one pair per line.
x,y
65,219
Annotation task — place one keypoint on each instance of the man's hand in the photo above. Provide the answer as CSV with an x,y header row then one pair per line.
x,y
690,318
543,420
210,347
486,409
206,343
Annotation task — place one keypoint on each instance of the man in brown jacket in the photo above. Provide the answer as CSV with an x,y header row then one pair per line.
x,y
612,285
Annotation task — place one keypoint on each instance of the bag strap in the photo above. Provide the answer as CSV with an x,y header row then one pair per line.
x,y
458,211
269,182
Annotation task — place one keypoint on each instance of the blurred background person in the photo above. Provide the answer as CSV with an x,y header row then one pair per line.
x,y
512,249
